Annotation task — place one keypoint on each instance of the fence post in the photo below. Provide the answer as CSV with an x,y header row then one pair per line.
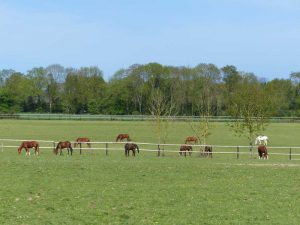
x,y
80,148
290,153
158,150
237,152
106,148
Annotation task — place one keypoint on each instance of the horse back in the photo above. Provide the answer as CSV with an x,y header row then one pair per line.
x,y
85,139
30,144
262,148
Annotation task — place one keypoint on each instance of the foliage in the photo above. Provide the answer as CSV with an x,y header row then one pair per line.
x,y
203,90
249,105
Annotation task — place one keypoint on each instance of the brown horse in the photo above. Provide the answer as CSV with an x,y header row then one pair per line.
x,y
262,152
82,140
27,145
191,139
121,137
131,146
184,149
207,151
61,145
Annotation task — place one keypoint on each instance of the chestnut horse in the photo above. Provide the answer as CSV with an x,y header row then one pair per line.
x,y
262,152
63,144
121,137
184,149
29,144
82,140
191,139
131,146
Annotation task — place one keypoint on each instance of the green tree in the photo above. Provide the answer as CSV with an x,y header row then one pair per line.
x,y
283,95
18,89
249,106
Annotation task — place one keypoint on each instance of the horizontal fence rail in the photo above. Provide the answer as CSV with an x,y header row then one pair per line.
x,y
45,116
162,149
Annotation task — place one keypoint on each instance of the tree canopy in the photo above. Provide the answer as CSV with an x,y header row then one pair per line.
x,y
201,90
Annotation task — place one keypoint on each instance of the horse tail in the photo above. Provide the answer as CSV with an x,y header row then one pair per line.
x,y
137,147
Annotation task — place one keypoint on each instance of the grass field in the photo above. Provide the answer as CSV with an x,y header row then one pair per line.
x,y
93,188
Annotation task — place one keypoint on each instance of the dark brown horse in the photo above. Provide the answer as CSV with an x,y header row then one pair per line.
x,y
27,145
184,149
262,152
207,151
61,145
191,139
82,140
131,146
121,137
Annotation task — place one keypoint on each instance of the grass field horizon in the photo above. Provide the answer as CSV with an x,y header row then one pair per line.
x,y
93,188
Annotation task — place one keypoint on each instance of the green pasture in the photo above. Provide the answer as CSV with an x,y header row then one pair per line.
x,y
95,188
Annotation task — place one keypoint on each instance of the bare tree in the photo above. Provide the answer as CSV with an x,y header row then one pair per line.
x,y
162,111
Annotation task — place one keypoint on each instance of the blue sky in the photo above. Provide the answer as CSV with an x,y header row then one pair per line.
x,y
259,36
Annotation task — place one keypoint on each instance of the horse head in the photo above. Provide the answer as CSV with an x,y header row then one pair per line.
x,y
20,149
55,150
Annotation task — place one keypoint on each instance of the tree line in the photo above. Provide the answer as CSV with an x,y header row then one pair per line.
x,y
143,89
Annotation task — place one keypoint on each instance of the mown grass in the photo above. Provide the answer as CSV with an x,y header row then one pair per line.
x,y
93,188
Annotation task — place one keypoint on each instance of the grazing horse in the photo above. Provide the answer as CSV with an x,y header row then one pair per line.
x,y
82,140
207,151
261,140
121,137
29,144
191,139
61,145
184,149
131,146
262,152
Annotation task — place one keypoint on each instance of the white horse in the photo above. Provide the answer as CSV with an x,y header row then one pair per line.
x,y
261,140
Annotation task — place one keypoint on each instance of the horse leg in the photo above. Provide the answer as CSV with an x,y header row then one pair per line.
x,y
36,150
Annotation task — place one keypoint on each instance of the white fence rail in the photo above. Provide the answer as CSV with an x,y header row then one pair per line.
x,y
161,149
